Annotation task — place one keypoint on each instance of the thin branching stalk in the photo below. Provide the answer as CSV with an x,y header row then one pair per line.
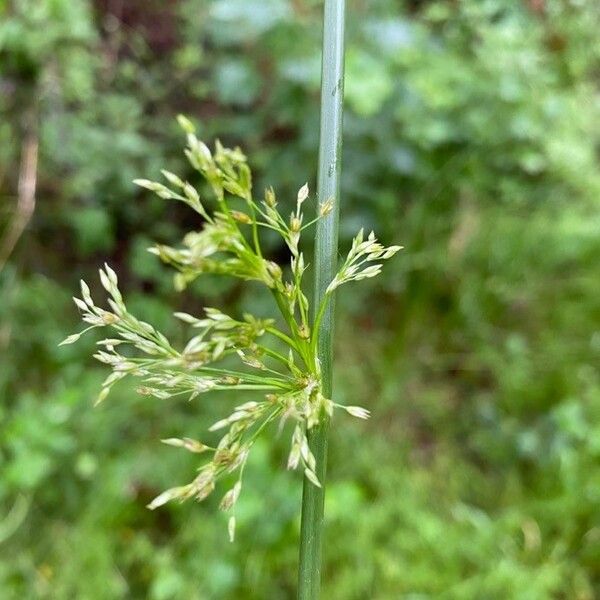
x,y
326,248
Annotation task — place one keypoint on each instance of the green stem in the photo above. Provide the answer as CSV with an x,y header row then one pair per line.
x,y
326,246
264,424
249,386
288,340
275,355
300,345
255,239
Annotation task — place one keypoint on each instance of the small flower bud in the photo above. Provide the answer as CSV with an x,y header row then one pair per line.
x,y
186,124
389,252
274,269
312,477
231,528
294,457
357,411
302,194
102,395
219,425
109,318
85,293
205,491
295,224
191,193
187,443
233,187
172,178
172,494
241,217
71,339
230,498
289,290
250,360
112,276
326,207
270,197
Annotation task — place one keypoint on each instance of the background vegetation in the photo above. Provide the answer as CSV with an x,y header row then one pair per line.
x,y
471,137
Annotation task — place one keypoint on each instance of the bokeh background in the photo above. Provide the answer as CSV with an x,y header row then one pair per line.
x,y
472,135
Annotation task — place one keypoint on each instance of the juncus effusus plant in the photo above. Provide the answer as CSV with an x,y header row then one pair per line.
x,y
287,383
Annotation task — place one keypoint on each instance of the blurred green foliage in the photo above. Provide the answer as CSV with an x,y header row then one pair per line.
x,y
471,136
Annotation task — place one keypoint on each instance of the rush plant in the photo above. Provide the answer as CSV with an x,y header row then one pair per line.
x,y
274,357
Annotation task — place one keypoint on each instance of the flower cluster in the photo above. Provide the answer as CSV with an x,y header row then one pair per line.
x,y
289,380
356,265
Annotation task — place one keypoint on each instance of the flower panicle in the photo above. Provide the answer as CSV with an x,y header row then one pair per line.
x,y
277,361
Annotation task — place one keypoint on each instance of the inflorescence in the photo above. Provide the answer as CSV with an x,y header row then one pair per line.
x,y
289,382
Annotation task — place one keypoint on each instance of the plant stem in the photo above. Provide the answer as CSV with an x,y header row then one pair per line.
x,y
325,260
